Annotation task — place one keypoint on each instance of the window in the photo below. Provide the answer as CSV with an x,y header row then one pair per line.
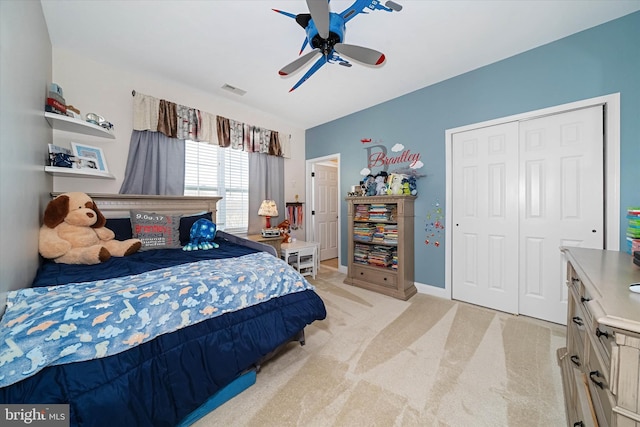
x,y
214,171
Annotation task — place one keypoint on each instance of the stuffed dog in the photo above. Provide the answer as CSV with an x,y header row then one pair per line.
x,y
74,233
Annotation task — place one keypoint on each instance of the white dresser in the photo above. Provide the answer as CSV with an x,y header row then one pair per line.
x,y
601,362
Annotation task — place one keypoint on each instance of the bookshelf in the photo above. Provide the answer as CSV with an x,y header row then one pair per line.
x,y
381,244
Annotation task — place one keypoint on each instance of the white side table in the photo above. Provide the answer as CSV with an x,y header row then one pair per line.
x,y
302,251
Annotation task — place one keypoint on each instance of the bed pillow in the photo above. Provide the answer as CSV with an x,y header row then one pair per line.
x,y
156,231
186,222
121,227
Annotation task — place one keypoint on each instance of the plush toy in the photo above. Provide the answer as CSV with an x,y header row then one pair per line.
x,y
74,233
284,227
201,236
370,185
395,184
381,184
410,185
406,190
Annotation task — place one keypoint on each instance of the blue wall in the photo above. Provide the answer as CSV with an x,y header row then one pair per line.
x,y
598,61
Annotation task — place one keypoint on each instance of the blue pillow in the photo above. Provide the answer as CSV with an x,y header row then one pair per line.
x,y
121,227
186,222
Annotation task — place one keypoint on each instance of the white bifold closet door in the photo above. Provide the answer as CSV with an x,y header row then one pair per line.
x,y
520,191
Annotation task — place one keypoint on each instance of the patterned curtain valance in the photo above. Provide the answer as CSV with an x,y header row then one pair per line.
x,y
179,121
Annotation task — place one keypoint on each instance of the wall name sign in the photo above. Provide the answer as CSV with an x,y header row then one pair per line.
x,y
379,155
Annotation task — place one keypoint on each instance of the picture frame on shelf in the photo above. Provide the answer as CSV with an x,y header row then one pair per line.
x,y
88,156
86,163
60,156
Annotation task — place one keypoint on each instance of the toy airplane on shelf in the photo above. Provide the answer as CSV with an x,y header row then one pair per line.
x,y
325,34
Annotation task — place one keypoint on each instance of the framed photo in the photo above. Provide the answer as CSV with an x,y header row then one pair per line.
x,y
91,157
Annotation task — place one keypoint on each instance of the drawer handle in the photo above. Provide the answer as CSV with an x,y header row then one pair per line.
x,y
575,359
577,321
578,424
600,333
361,273
583,300
596,382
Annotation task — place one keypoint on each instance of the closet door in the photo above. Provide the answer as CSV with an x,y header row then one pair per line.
x,y
562,203
519,192
485,217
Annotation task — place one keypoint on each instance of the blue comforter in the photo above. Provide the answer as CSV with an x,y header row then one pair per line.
x,y
83,321
163,379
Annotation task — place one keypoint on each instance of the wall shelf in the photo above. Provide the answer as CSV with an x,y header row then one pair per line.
x,y
77,173
69,124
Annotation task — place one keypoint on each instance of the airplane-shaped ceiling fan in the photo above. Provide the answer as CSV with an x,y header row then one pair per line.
x,y
325,33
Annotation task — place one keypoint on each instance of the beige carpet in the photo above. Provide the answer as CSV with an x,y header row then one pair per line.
x,y
378,361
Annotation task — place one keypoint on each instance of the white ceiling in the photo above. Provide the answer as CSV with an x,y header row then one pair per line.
x,y
243,43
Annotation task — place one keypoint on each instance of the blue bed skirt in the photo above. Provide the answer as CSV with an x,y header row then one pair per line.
x,y
230,391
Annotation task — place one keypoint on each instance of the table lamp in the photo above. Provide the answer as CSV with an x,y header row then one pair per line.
x,y
268,208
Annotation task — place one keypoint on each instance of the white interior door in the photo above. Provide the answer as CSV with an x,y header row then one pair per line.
x,y
562,203
325,206
521,190
485,217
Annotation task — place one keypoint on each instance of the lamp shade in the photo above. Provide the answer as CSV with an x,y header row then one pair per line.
x,y
268,208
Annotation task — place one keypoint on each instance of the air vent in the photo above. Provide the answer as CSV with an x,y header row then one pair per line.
x,y
233,89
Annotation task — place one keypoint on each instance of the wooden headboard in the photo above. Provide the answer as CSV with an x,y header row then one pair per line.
x,y
119,205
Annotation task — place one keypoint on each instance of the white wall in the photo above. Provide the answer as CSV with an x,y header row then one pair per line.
x,y
25,73
106,90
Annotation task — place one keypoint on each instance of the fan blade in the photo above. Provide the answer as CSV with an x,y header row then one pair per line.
x,y
315,67
359,53
319,10
295,65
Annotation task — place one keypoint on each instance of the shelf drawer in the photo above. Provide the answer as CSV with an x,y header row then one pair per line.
x,y
376,276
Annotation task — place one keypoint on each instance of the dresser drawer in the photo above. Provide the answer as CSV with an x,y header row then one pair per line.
x,y
376,276
598,381
605,339
577,326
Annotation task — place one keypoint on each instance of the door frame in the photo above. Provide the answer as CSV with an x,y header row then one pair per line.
x,y
611,170
309,206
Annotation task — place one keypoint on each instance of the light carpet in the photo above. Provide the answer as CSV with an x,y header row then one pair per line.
x,y
378,361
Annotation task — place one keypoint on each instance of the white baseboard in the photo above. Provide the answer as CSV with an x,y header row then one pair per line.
x,y
432,290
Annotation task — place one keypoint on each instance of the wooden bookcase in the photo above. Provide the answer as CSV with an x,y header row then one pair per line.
x,y
369,263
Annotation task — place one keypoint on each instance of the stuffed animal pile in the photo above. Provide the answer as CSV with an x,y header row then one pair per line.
x,y
74,232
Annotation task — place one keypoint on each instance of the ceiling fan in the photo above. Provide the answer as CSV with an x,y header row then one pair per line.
x,y
325,34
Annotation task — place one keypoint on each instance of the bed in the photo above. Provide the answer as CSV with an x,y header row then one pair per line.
x,y
181,326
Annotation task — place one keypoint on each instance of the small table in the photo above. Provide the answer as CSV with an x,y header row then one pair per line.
x,y
301,248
